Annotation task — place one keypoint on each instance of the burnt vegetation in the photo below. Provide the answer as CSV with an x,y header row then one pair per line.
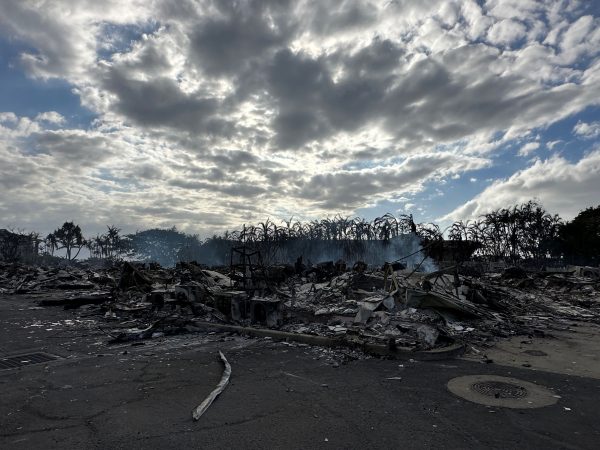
x,y
522,233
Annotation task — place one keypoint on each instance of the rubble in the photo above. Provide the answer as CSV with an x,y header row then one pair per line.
x,y
351,304
201,409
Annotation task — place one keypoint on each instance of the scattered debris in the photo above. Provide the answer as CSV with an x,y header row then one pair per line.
x,y
201,409
394,306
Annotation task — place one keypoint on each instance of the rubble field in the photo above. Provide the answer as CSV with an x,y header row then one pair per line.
x,y
388,310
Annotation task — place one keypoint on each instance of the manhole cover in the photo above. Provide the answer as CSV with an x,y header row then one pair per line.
x,y
12,362
492,390
499,389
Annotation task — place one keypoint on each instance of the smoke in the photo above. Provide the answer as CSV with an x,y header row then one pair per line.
x,y
406,247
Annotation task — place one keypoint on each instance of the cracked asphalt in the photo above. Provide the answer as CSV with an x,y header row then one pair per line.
x,y
280,395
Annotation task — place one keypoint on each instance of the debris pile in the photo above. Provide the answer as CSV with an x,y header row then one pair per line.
x,y
425,310
23,279
390,307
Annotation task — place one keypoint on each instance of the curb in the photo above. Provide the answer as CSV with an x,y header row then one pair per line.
x,y
454,350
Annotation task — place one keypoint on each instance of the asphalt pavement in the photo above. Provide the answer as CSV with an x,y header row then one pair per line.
x,y
284,396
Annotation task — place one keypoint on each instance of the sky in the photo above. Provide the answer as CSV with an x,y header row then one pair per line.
x,y
208,114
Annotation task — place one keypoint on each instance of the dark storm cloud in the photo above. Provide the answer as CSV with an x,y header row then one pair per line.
x,y
233,159
378,58
437,99
296,127
240,32
233,165
72,148
311,105
240,189
443,97
161,102
150,60
275,177
146,171
229,164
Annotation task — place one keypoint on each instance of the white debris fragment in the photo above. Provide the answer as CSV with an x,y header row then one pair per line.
x,y
201,409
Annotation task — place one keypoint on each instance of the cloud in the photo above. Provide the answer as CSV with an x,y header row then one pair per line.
x,y
64,34
587,130
349,189
562,187
238,190
225,42
8,117
73,148
210,112
551,144
528,148
581,38
51,117
161,102
506,32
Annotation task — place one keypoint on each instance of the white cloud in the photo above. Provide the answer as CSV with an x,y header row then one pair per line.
x,y
506,32
350,189
8,117
587,130
528,148
582,37
562,187
211,112
50,117
551,144
65,34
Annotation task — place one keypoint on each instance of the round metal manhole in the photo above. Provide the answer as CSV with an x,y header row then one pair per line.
x,y
492,390
499,389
